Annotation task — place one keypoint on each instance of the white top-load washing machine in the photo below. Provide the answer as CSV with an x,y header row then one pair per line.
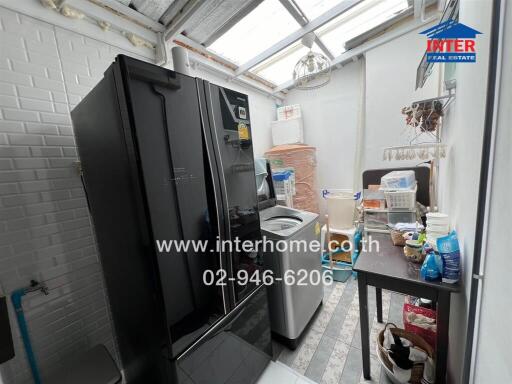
x,y
295,295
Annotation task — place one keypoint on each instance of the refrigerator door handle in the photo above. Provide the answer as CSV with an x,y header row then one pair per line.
x,y
224,193
218,200
166,79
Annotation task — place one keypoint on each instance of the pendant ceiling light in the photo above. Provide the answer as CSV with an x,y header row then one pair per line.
x,y
313,70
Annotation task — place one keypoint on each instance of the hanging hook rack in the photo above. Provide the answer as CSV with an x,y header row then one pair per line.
x,y
424,116
449,99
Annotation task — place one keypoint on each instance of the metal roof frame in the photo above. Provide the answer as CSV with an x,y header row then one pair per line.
x,y
353,54
294,10
173,22
244,11
297,35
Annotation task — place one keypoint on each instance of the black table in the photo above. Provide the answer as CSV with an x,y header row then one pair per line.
x,y
387,268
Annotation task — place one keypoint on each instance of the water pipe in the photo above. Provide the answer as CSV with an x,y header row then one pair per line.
x,y
16,297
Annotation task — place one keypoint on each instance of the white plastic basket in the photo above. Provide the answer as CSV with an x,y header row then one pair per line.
x,y
403,199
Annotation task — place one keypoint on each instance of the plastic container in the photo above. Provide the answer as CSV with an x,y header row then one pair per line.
x,y
442,228
374,199
437,226
401,217
340,209
437,218
376,220
340,270
288,112
436,234
402,199
288,131
398,180
283,187
413,251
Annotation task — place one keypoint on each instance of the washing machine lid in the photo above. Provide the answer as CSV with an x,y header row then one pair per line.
x,y
279,224
284,222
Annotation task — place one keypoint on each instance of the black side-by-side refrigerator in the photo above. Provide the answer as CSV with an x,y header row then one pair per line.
x,y
169,157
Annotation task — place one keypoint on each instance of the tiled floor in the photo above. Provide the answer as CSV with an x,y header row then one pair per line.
x,y
277,372
330,351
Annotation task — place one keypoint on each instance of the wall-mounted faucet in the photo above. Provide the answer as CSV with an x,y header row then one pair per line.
x,y
36,286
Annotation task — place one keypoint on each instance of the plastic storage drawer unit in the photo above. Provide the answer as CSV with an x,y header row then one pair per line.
x,y
401,217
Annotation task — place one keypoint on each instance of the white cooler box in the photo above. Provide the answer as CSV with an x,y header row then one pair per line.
x,y
288,131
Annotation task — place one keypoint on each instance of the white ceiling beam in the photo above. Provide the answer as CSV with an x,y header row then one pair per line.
x,y
369,45
418,8
130,13
324,48
358,40
172,11
176,25
244,11
220,66
226,73
295,11
200,48
297,35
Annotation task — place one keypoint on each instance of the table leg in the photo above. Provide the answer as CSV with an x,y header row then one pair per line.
x,y
378,296
443,321
363,321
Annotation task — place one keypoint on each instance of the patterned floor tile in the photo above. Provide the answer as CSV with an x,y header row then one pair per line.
x,y
374,372
307,350
330,351
336,363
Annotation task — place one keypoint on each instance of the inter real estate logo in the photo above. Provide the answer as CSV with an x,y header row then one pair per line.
x,y
451,42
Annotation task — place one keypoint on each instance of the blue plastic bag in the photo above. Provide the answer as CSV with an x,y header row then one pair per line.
x,y
430,269
448,248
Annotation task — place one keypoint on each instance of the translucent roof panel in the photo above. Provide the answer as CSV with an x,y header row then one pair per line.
x,y
278,69
267,24
314,8
358,20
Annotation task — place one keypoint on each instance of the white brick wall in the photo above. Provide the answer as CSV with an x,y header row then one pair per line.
x,y
45,230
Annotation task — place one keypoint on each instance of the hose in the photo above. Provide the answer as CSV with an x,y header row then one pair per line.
x,y
16,297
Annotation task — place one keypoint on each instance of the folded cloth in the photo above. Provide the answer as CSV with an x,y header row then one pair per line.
x,y
429,372
419,319
407,227
401,375
417,355
389,339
